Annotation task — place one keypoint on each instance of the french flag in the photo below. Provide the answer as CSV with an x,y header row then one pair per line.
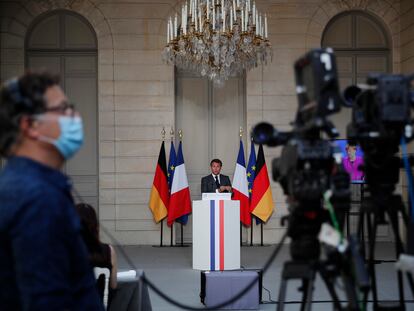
x,y
180,202
240,187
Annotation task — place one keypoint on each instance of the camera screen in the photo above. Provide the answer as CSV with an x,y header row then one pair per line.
x,y
352,159
308,82
306,79
316,86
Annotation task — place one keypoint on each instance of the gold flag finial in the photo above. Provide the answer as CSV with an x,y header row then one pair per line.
x,y
163,133
172,133
241,132
180,134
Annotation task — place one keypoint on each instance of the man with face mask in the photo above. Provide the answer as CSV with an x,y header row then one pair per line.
x,y
43,261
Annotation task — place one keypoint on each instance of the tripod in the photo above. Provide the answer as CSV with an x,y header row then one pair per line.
x,y
306,271
373,210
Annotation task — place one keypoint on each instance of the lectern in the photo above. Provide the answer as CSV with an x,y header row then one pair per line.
x,y
216,233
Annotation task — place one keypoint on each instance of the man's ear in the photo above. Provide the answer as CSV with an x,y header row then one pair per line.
x,y
28,127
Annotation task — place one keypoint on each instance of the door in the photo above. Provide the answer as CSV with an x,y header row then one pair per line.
x,y
63,43
210,118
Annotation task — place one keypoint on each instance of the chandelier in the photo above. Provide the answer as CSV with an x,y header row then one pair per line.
x,y
217,38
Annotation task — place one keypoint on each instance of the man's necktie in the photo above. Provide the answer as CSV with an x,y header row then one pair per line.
x,y
217,182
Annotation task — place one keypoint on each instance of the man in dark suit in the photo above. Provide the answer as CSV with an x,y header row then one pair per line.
x,y
215,182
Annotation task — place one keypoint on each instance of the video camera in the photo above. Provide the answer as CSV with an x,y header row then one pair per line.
x,y
381,121
381,108
308,165
317,88
306,158
381,116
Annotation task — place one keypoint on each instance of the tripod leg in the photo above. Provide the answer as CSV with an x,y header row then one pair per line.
x,y
405,216
406,220
305,289
411,282
393,216
282,294
307,294
394,207
372,232
332,292
348,226
361,232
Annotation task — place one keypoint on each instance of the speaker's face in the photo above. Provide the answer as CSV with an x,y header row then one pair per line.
x,y
215,168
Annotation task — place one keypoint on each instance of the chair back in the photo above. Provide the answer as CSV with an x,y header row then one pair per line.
x,y
103,271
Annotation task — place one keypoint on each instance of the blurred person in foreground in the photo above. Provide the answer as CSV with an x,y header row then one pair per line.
x,y
43,261
100,254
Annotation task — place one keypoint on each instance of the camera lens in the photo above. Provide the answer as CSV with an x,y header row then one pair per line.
x,y
350,94
262,133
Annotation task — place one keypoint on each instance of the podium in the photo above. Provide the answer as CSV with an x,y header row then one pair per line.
x,y
216,233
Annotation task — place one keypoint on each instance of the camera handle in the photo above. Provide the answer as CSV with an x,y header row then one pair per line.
x,y
330,129
284,220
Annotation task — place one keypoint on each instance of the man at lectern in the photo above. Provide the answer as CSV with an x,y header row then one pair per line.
x,y
215,182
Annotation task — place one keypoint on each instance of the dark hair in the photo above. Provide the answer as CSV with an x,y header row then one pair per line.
x,y
19,97
216,161
352,143
89,223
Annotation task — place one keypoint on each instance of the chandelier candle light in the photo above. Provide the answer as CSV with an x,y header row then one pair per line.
x,y
218,38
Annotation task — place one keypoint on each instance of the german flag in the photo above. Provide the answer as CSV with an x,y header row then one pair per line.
x,y
159,197
261,204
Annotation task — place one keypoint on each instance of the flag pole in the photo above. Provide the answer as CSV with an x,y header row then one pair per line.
x,y
172,133
250,166
162,221
182,236
172,229
261,233
241,243
180,135
251,231
241,227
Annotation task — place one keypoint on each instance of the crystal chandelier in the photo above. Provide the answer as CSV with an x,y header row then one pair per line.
x,y
218,38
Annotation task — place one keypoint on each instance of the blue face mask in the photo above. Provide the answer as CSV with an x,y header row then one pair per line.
x,y
71,136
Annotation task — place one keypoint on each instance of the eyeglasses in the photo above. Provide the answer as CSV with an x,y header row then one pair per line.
x,y
62,108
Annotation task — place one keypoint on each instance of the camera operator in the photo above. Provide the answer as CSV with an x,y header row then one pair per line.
x,y
43,261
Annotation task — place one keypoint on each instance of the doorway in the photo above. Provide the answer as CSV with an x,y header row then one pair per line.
x,y
64,43
210,118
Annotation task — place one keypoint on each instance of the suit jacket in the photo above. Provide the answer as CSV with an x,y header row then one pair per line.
x,y
208,183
